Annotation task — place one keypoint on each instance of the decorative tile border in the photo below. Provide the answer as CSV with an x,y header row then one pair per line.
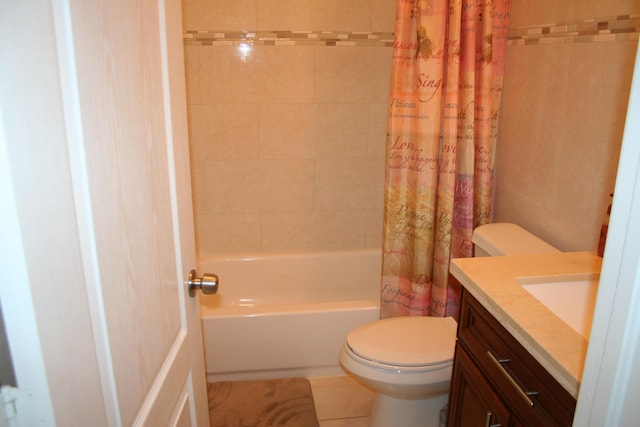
x,y
284,38
613,28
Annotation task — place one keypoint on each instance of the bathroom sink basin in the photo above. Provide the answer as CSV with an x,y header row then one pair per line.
x,y
572,300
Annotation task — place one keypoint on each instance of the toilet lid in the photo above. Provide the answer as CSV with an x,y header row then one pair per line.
x,y
406,341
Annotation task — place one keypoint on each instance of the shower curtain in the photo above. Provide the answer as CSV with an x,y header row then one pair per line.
x,y
448,64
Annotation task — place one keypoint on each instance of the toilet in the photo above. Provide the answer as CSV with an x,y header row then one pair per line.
x,y
408,361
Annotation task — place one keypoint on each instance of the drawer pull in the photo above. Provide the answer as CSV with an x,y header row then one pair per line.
x,y
524,394
487,421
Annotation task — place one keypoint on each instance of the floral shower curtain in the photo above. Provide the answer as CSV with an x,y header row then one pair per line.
x,y
448,63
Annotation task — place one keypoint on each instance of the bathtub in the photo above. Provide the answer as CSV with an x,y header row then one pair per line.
x,y
278,316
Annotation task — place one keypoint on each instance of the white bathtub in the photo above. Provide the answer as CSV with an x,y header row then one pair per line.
x,y
286,315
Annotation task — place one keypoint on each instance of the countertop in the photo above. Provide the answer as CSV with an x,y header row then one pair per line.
x,y
494,282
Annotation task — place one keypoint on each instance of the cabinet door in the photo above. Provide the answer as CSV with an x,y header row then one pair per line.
x,y
473,402
487,342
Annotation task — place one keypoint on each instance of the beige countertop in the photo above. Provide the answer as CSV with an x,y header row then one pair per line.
x,y
495,283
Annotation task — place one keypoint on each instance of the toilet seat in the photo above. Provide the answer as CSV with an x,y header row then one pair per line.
x,y
405,342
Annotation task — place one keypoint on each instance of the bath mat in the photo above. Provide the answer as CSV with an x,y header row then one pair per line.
x,y
284,402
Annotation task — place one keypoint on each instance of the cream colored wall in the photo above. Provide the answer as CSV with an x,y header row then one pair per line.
x,y
561,125
288,143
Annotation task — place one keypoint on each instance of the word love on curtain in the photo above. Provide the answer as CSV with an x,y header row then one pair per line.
x,y
448,65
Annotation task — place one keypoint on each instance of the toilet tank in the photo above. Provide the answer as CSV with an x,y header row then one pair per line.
x,y
503,238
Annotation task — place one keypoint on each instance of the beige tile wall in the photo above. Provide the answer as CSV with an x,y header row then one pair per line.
x,y
307,15
528,13
562,118
287,140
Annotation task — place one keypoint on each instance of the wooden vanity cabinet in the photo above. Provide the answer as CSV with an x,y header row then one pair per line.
x,y
496,382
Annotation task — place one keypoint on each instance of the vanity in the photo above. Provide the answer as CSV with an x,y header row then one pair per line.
x,y
522,338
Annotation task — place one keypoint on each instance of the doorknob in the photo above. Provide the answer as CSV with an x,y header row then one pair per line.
x,y
208,283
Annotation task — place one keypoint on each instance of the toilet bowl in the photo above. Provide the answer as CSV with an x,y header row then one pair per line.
x,y
408,361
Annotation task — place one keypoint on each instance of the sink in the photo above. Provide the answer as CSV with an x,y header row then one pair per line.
x,y
572,300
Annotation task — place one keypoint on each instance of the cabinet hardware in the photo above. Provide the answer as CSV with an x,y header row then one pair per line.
x,y
487,421
524,394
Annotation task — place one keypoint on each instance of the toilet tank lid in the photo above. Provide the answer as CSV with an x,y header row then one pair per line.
x,y
504,238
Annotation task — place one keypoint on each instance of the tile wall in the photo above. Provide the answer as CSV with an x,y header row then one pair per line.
x,y
287,116
288,133
565,93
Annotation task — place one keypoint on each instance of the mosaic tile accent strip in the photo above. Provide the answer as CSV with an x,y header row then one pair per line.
x,y
283,38
612,28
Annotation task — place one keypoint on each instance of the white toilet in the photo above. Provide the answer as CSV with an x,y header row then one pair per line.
x,y
408,361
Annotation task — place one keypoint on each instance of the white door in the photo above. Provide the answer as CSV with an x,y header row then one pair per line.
x,y
97,228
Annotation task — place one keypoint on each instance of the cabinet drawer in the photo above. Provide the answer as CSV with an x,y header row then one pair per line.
x,y
534,397
473,401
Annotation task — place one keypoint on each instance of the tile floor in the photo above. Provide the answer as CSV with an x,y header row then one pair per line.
x,y
341,402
